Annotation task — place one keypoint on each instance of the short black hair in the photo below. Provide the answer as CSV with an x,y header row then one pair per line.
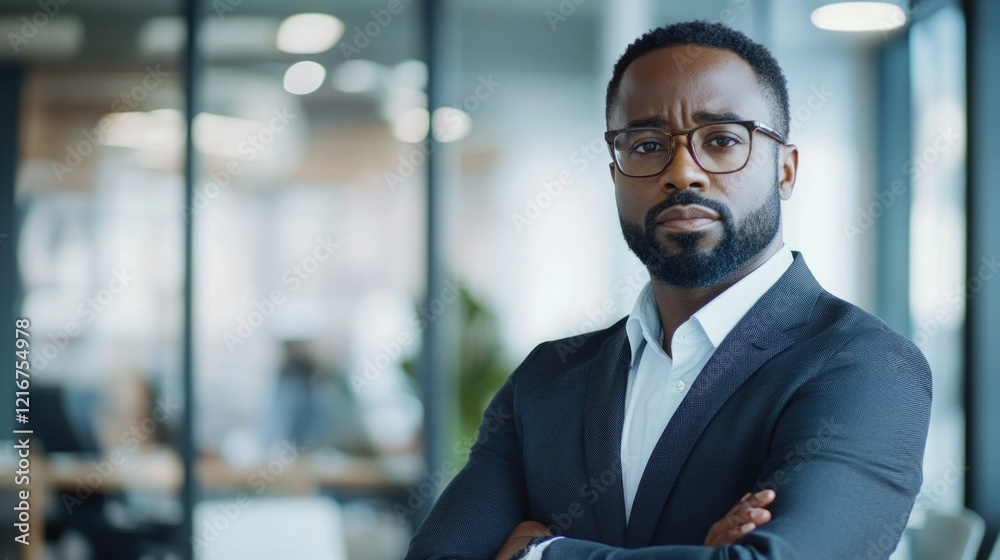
x,y
711,35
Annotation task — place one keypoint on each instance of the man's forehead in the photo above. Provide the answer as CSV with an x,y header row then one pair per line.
x,y
692,77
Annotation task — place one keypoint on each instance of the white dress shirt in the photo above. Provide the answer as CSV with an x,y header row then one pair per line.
x,y
656,383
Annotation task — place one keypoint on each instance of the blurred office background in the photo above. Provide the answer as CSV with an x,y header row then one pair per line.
x,y
360,286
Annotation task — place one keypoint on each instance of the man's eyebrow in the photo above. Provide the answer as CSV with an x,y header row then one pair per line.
x,y
702,117
649,122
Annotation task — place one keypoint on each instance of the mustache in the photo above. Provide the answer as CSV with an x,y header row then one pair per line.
x,y
687,197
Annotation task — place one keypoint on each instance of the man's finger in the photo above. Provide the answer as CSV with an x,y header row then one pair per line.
x,y
737,532
739,505
760,516
755,515
761,498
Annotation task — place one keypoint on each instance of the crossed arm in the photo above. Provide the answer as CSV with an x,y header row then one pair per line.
x,y
745,516
848,497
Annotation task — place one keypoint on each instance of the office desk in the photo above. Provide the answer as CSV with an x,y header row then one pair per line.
x,y
162,471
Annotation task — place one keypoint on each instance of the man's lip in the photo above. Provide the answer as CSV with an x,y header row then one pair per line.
x,y
686,218
686,226
686,212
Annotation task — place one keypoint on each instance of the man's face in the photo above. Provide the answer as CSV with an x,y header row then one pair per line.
x,y
690,227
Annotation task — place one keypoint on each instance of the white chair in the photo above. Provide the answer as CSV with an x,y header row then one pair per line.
x,y
946,536
306,528
995,555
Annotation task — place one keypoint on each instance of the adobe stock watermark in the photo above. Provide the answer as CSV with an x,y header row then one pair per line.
x,y
893,23
796,458
433,483
292,279
365,34
956,298
533,206
690,52
581,159
128,101
728,15
866,217
33,25
211,529
562,13
407,164
391,350
223,7
818,97
249,150
566,8
91,483
881,545
628,288
590,493
87,312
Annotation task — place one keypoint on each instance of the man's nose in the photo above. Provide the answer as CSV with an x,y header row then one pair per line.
x,y
683,171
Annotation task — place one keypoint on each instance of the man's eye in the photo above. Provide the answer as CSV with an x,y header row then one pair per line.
x,y
723,142
647,146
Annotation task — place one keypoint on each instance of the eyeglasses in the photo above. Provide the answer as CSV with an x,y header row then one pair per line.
x,y
722,147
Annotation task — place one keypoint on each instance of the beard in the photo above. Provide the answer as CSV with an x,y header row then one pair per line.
x,y
691,266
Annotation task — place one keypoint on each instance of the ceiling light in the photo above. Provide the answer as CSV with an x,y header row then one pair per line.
x,y
309,33
859,16
161,130
245,36
398,100
410,74
411,125
304,77
61,36
451,124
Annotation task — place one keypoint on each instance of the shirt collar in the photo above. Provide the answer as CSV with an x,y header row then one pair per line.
x,y
718,317
643,322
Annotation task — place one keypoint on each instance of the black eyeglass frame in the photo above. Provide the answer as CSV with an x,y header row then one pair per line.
x,y
751,126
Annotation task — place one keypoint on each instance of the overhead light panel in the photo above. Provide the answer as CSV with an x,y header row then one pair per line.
x,y
56,37
450,124
411,125
859,16
304,77
410,74
309,33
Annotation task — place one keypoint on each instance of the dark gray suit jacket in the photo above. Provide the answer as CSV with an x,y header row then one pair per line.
x,y
808,395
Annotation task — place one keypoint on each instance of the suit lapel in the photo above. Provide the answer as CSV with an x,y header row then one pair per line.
x,y
755,339
604,415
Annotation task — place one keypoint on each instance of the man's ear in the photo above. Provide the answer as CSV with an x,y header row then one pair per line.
x,y
789,169
611,168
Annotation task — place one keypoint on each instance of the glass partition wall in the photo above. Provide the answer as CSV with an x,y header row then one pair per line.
x,y
309,250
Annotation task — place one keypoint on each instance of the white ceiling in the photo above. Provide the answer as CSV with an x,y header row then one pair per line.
x,y
110,25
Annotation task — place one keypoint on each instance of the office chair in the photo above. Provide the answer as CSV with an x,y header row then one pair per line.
x,y
995,555
67,426
251,526
947,536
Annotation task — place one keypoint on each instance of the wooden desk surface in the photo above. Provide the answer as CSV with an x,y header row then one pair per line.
x,y
162,471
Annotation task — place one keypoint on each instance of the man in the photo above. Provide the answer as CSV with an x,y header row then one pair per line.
x,y
734,372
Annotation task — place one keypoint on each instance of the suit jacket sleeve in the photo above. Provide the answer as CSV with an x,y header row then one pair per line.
x,y
845,459
487,499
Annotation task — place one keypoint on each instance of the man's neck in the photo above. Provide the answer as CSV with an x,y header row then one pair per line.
x,y
677,304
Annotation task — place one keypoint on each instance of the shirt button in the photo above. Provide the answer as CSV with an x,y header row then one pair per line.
x,y
680,386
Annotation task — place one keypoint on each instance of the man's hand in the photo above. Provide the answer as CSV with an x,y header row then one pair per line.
x,y
518,539
746,515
